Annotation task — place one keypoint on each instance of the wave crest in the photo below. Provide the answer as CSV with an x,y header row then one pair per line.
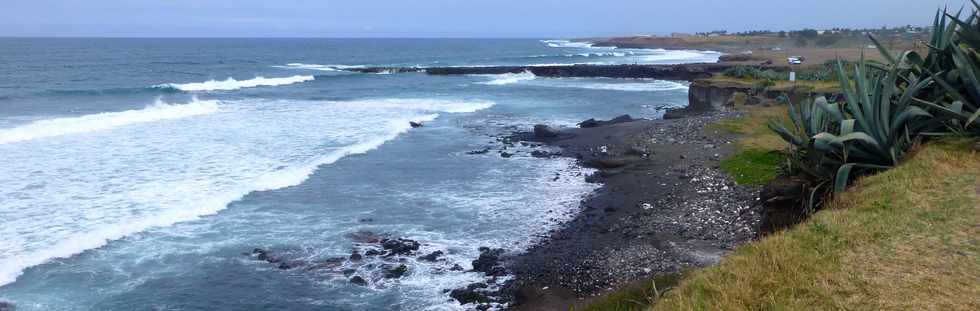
x,y
232,84
508,78
106,120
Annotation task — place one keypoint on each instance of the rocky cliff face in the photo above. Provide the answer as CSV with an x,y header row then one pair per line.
x,y
703,95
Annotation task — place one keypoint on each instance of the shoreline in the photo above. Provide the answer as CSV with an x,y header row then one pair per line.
x,y
663,207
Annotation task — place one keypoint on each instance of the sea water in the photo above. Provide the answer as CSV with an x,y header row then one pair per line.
x,y
136,172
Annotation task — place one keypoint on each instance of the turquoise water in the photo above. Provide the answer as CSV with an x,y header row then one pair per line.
x,y
137,172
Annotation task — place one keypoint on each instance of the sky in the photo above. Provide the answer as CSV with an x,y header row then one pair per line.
x,y
445,18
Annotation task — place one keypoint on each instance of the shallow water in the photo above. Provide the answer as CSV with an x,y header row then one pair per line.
x,y
137,171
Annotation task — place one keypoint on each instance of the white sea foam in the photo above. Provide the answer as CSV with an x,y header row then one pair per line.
x,y
319,67
64,196
508,78
638,85
232,84
654,86
106,120
566,44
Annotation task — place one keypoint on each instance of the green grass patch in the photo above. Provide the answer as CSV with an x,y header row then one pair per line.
x,y
752,166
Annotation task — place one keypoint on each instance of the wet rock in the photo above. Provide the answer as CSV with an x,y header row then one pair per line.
x,y
456,267
542,131
415,124
432,256
372,252
476,152
540,154
394,272
505,154
357,280
364,237
590,123
489,261
264,255
7,306
400,246
330,263
468,296
356,256
611,163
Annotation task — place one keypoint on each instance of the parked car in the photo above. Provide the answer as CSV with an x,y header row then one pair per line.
x,y
795,60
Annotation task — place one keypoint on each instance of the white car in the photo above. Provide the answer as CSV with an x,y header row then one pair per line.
x,y
794,60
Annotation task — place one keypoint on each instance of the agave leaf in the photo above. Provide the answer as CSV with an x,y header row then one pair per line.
x,y
843,175
784,133
881,49
856,136
968,72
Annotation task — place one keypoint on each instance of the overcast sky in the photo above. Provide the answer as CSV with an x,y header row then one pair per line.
x,y
445,18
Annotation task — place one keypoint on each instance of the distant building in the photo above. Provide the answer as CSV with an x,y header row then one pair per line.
x,y
681,35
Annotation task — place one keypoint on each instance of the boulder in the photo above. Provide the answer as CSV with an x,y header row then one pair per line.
x,y
590,123
489,261
400,246
468,296
357,280
542,131
393,271
415,124
505,154
432,256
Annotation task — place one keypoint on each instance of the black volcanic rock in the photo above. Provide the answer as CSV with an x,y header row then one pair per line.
x,y
542,131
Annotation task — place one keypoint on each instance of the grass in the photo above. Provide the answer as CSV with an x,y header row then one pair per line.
x,y
757,151
636,297
753,166
782,85
906,239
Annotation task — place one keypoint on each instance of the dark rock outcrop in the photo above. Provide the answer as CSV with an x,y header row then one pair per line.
x,y
357,280
434,256
489,262
542,131
415,124
590,123
7,306
394,271
469,295
400,246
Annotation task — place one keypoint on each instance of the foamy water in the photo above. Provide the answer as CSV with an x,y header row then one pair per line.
x,y
626,85
92,187
232,84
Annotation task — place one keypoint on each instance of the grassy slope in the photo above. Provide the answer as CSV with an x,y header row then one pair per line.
x,y
905,239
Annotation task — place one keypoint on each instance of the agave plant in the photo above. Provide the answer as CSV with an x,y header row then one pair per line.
x,y
947,80
870,131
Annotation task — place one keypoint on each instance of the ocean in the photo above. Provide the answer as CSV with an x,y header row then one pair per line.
x,y
139,174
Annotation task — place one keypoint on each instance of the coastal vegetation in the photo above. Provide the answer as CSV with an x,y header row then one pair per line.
x,y
896,162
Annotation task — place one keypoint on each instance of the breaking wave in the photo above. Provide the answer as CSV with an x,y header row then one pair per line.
x,y
232,84
107,120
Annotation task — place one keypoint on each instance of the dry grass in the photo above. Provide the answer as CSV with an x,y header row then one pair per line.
x,y
906,239
751,128
783,86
